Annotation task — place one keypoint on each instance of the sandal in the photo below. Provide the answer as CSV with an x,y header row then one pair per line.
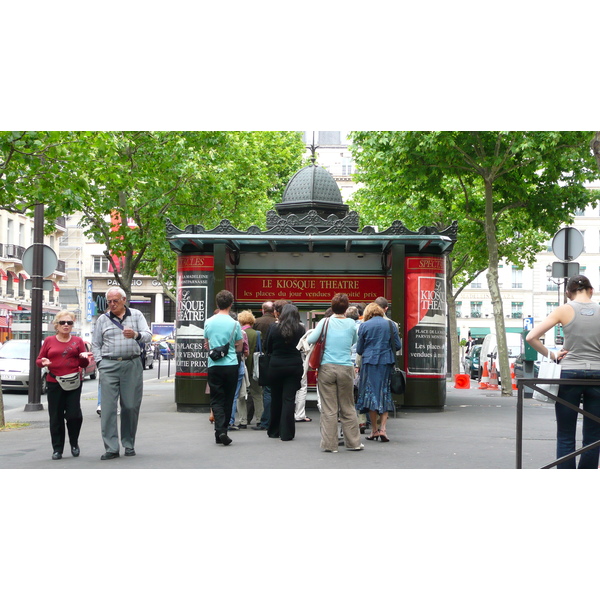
x,y
373,437
305,420
383,437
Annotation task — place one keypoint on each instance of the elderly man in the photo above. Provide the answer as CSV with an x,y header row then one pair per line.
x,y
116,348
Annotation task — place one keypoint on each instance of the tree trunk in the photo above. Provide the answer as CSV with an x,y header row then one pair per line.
x,y
494,288
595,146
452,328
2,421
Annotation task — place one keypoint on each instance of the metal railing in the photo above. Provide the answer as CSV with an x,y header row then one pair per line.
x,y
534,384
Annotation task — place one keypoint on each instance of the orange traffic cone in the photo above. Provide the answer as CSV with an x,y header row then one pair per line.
x,y
513,379
493,384
462,382
485,378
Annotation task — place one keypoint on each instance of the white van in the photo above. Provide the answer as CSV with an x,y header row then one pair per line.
x,y
490,347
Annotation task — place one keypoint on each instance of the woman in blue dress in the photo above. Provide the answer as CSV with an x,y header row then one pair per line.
x,y
378,340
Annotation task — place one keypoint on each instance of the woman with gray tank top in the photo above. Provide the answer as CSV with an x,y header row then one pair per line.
x,y
580,359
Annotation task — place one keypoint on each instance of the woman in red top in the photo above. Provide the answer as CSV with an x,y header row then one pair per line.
x,y
63,354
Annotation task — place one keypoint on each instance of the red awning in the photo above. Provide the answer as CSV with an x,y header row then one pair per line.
x,y
56,288
14,276
3,274
24,275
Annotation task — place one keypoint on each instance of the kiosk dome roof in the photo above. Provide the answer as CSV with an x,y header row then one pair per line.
x,y
312,184
312,188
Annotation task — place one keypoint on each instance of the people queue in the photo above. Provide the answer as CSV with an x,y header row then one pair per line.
x,y
353,377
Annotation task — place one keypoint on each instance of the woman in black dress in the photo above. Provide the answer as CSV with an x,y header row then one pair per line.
x,y
285,371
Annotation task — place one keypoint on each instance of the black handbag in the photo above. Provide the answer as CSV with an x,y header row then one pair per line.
x,y
398,376
263,369
398,381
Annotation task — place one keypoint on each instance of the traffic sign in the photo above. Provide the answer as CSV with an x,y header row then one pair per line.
x,y
567,244
49,261
528,323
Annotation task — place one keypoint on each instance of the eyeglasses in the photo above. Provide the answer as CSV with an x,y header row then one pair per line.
x,y
115,301
66,322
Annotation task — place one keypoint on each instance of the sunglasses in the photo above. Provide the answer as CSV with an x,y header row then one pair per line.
x,y
66,322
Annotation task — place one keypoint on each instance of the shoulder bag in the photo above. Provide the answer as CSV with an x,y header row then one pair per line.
x,y
219,352
314,360
263,361
398,376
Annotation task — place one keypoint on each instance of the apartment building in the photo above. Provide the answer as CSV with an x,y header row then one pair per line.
x,y
16,235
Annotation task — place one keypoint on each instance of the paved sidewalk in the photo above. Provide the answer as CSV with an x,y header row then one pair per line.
x,y
476,430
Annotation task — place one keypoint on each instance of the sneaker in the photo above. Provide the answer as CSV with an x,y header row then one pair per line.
x,y
332,451
232,428
240,426
99,412
356,449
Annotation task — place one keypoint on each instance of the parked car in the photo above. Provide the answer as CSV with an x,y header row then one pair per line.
x,y
14,366
91,370
167,349
471,361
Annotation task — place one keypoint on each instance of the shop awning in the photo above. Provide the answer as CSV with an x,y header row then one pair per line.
x,y
479,331
3,274
514,329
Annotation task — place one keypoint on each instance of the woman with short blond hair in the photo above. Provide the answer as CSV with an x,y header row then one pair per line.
x,y
63,354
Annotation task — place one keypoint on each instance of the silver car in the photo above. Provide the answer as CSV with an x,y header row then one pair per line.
x,y
14,366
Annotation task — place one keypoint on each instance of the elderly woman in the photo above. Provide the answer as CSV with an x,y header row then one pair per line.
x,y
64,354
335,378
378,340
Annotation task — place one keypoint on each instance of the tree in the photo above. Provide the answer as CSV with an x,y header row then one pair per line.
x,y
514,188
126,183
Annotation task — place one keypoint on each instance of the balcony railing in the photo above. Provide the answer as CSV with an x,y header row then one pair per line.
x,y
11,251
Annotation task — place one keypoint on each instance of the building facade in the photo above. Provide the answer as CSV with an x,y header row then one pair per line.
x,y
16,235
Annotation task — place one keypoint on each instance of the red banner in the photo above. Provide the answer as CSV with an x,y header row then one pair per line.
x,y
308,289
426,316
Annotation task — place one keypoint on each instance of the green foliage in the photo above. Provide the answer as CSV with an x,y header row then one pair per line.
x,y
536,182
143,177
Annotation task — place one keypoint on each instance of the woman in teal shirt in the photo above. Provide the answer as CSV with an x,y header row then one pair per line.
x,y
335,378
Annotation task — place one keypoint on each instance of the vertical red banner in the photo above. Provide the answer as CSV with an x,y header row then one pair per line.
x,y
426,321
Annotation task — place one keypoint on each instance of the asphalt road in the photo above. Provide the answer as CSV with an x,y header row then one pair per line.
x,y
476,430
